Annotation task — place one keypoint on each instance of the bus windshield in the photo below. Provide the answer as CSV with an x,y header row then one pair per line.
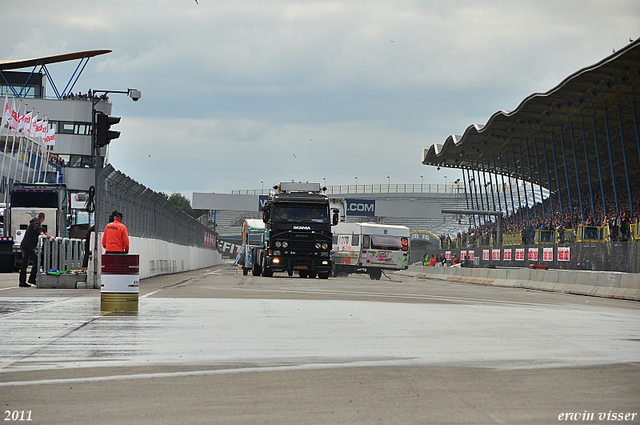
x,y
301,213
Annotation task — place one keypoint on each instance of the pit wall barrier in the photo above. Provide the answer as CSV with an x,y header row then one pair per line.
x,y
593,283
157,257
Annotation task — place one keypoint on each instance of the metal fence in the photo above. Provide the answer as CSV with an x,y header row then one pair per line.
x,y
146,213
374,188
60,253
603,256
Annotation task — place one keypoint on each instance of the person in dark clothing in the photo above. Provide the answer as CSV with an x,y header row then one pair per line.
x,y
87,246
28,248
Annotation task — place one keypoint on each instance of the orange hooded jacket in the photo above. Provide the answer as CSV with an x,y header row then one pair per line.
x,y
115,237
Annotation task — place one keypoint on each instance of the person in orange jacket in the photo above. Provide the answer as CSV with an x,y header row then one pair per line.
x,y
432,261
115,239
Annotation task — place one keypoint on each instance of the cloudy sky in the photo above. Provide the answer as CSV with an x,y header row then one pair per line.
x,y
235,93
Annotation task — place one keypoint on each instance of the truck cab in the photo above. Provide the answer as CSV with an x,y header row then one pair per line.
x,y
298,220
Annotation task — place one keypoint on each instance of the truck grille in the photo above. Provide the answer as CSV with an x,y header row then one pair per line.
x,y
297,245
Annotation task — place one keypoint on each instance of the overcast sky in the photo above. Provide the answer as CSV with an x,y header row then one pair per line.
x,y
239,92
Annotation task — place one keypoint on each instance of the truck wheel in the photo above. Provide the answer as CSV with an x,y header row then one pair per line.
x,y
290,273
375,274
267,273
302,274
256,270
324,275
312,275
245,271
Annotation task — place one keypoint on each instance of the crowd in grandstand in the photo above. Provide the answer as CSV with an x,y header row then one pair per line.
x,y
85,96
526,221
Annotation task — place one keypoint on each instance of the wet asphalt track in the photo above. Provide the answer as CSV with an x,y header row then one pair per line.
x,y
294,349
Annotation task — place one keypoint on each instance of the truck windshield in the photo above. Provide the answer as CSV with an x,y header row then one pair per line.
x,y
34,199
301,213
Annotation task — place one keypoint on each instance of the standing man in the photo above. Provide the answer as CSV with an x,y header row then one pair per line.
x,y
115,239
28,248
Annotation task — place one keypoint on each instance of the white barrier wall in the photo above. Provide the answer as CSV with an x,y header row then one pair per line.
x,y
160,257
579,282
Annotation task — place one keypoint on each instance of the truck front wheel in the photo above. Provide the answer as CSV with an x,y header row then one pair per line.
x,y
375,274
323,275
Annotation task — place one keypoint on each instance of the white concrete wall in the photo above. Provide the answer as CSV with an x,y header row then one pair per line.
x,y
160,257
581,282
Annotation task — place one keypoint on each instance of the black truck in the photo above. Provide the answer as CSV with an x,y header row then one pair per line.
x,y
297,237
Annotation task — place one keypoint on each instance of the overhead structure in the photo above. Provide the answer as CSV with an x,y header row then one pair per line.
x,y
42,62
580,139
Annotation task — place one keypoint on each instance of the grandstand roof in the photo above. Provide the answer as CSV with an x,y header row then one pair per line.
x,y
556,124
45,60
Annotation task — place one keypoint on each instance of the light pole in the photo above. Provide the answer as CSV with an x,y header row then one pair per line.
x,y
421,183
135,95
356,184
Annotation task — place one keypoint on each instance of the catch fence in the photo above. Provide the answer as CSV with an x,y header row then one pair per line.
x,y
146,213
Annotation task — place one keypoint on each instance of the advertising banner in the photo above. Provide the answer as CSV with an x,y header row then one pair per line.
x,y
564,253
366,207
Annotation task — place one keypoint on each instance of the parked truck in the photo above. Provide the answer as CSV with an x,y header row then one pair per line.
x,y
24,203
252,238
297,237
369,248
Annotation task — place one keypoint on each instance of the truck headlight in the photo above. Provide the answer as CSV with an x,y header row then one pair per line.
x,y
278,244
325,245
285,244
275,261
317,245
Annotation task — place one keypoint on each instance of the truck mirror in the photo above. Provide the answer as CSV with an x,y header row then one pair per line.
x,y
335,219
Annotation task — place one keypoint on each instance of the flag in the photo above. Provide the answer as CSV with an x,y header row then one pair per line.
x,y
26,123
50,138
32,129
14,117
6,112
20,120
41,133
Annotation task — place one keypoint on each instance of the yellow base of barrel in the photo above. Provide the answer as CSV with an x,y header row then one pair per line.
x,y
118,303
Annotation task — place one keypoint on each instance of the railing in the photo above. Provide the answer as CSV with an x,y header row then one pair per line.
x,y
510,239
546,237
374,188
